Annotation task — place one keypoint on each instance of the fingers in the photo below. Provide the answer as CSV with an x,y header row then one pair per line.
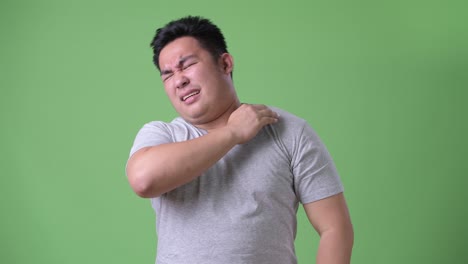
x,y
264,113
248,119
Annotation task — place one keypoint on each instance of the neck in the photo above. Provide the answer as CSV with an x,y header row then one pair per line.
x,y
222,119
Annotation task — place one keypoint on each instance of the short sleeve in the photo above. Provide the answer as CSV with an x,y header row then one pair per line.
x,y
315,174
151,134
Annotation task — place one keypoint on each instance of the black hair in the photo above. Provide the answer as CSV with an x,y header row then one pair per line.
x,y
209,36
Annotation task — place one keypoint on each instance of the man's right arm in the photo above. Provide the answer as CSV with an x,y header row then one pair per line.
x,y
155,170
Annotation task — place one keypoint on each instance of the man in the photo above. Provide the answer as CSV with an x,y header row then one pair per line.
x,y
226,178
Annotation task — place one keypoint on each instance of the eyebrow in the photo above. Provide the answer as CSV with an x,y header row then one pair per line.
x,y
181,62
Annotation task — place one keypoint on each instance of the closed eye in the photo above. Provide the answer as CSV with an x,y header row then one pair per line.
x,y
188,65
167,76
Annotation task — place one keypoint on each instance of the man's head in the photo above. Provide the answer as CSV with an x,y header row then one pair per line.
x,y
196,69
209,36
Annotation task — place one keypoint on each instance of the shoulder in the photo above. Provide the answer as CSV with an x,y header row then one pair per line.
x,y
288,122
177,130
158,132
287,132
292,130
289,117
175,123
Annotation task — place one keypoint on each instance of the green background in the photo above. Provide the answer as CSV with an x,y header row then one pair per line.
x,y
382,82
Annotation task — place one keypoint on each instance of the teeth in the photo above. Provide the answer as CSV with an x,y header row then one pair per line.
x,y
192,94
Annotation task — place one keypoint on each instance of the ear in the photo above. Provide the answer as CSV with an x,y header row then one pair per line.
x,y
227,63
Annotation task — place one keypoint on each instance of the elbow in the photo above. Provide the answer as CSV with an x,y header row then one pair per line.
x,y
346,232
350,236
141,183
343,235
141,187
347,235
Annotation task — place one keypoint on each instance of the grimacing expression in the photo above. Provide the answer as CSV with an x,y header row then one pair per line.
x,y
198,86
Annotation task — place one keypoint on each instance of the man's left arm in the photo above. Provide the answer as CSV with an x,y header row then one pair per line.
x,y
330,218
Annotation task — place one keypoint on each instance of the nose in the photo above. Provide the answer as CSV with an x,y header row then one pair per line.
x,y
181,81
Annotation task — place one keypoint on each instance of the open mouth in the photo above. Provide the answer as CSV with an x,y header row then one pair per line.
x,y
190,95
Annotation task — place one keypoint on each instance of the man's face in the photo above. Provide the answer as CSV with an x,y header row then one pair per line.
x,y
199,87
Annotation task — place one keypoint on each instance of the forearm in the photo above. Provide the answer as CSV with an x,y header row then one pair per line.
x,y
335,246
156,170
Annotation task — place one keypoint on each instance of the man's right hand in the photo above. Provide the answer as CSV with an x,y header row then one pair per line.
x,y
247,120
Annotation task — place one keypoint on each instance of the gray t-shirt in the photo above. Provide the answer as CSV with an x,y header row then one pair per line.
x,y
242,210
